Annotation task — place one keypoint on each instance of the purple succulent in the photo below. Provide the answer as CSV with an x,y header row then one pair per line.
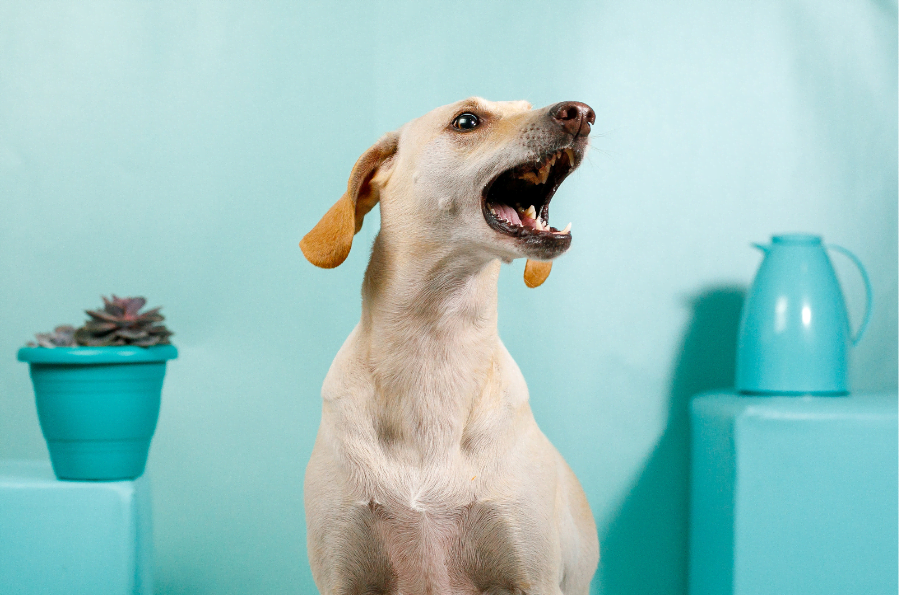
x,y
121,322
62,336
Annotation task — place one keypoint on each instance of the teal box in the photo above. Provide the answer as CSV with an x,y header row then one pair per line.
x,y
73,537
794,495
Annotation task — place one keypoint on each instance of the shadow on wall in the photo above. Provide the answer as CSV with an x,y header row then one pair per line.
x,y
645,548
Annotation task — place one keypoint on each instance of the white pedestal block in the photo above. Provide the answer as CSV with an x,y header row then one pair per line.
x,y
73,537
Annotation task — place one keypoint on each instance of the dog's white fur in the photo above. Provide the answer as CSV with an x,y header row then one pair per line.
x,y
429,473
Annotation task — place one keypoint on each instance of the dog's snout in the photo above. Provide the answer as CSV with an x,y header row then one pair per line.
x,y
574,117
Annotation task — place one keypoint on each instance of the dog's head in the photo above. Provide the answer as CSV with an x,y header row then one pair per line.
x,y
475,175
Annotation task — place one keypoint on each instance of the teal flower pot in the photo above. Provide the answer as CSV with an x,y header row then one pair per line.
x,y
98,407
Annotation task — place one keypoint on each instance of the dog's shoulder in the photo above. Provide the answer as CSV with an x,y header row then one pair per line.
x,y
347,378
514,386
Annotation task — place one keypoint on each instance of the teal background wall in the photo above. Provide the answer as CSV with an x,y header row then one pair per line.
x,y
180,150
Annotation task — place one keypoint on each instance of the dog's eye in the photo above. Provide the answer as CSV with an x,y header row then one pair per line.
x,y
465,122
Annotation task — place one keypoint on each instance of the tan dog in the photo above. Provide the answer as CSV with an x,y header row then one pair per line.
x,y
429,474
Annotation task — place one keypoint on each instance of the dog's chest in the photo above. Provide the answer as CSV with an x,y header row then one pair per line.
x,y
427,547
417,470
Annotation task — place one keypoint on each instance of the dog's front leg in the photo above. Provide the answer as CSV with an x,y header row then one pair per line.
x,y
345,552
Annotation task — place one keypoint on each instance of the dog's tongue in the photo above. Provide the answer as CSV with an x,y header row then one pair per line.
x,y
509,214
514,217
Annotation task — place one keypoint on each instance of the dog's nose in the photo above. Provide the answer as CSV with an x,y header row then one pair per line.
x,y
574,117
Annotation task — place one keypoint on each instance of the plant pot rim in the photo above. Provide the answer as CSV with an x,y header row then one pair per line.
x,y
97,355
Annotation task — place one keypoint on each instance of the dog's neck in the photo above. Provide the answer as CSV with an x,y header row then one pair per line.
x,y
429,322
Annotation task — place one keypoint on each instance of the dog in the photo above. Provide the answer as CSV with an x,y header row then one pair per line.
x,y
429,474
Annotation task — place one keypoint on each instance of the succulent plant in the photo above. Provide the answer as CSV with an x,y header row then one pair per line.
x,y
62,336
120,322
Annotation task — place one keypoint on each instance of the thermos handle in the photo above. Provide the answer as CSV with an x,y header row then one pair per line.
x,y
868,291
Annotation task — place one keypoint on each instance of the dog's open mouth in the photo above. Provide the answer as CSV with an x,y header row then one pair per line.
x,y
516,202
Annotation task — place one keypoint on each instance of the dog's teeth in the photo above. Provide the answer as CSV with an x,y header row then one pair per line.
x,y
531,212
538,224
530,177
544,171
570,154
567,229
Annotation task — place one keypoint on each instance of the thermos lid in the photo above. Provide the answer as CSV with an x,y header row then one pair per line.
x,y
797,239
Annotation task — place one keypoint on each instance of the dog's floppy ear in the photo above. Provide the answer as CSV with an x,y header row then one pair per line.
x,y
536,272
329,242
